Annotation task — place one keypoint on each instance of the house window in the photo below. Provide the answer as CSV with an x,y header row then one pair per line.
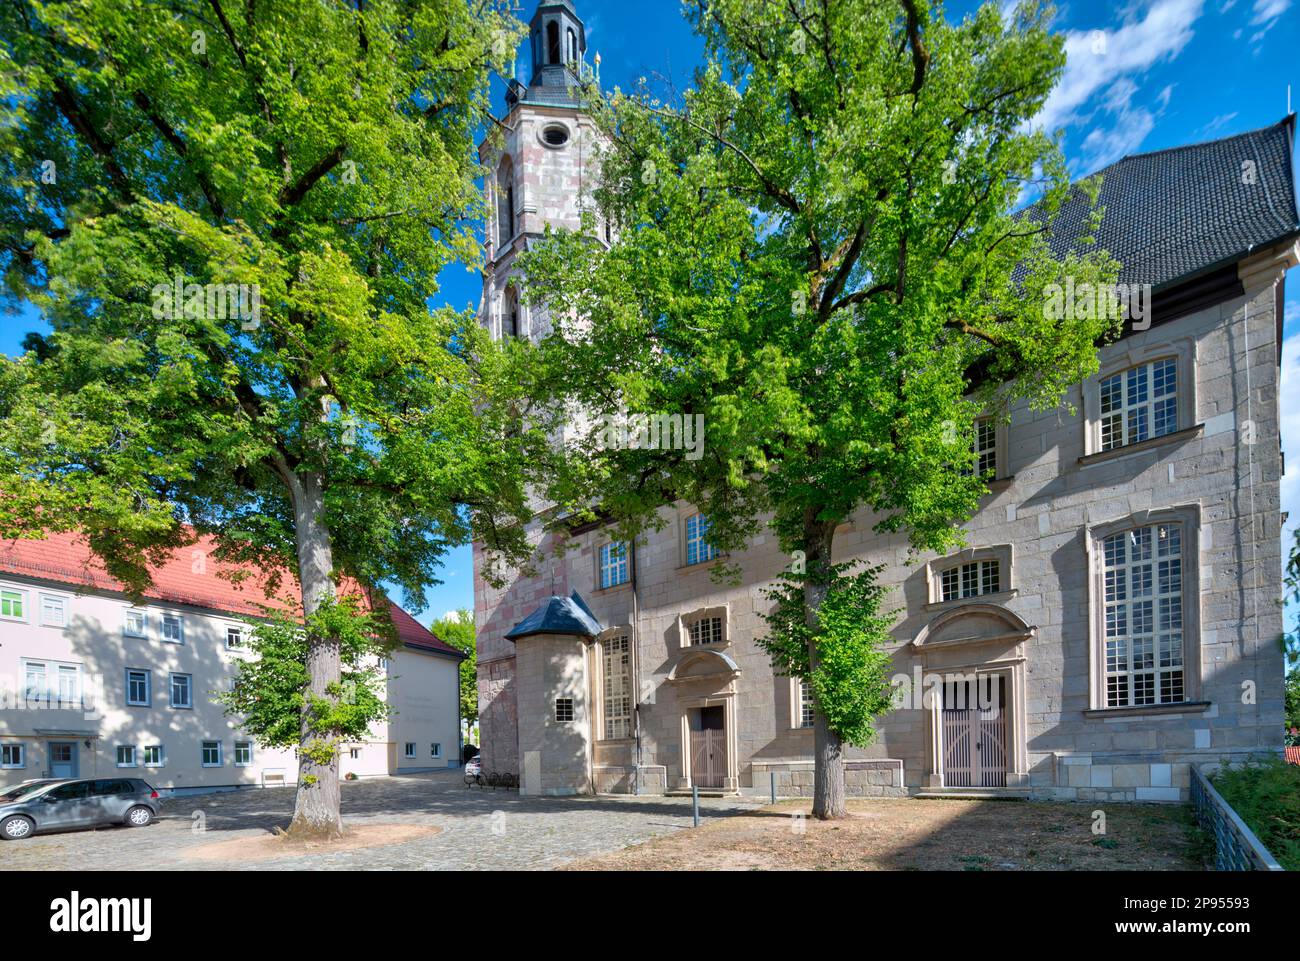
x,y
410,750
613,564
137,688
153,755
698,548
34,681
805,703
617,678
705,630
182,693
435,751
234,637
173,628
986,448
564,709
355,753
970,580
126,755
135,624
12,756
211,754
69,685
243,753
54,611
1139,403
11,605
1144,616
55,685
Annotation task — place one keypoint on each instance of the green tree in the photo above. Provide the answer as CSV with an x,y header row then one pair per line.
x,y
818,252
233,214
457,629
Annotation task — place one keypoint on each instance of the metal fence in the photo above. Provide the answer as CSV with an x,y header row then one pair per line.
x,y
1235,846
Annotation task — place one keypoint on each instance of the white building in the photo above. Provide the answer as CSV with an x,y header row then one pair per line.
x,y
92,683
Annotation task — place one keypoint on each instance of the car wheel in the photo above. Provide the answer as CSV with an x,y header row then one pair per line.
x,y
16,828
139,816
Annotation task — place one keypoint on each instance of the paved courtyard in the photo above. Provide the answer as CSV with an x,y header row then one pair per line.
x,y
480,829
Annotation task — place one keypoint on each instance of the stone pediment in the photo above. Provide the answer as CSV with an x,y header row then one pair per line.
x,y
704,664
974,624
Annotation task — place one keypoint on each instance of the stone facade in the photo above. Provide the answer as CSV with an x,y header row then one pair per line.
x,y
1039,637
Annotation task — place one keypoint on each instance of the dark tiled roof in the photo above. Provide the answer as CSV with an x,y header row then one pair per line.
x,y
1173,213
558,615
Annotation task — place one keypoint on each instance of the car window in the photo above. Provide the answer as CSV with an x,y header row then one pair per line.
x,y
109,788
23,790
70,792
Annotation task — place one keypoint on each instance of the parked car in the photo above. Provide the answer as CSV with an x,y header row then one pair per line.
x,y
54,805
474,766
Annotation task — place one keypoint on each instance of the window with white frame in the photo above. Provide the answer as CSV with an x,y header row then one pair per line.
x,y
435,751
564,709
173,628
135,624
35,684
211,754
234,637
355,753
54,610
138,688
126,755
243,753
698,548
52,684
13,756
986,448
13,604
613,564
616,675
410,750
804,713
1144,616
704,630
182,690
970,580
153,755
1139,403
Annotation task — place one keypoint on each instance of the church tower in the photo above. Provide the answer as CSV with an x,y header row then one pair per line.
x,y
541,158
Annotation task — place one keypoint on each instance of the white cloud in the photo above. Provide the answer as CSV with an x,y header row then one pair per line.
x,y
1268,10
1217,124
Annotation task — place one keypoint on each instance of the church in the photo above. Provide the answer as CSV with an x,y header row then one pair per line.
x,y
1116,609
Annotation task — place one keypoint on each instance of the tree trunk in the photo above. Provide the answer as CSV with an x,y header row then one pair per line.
x,y
828,750
316,807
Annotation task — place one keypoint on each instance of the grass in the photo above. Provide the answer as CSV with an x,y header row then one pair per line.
x,y
1267,798
910,834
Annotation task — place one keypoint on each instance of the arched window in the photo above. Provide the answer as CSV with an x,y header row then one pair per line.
x,y
505,203
573,46
510,314
553,42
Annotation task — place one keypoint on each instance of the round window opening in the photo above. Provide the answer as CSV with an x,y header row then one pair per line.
x,y
555,135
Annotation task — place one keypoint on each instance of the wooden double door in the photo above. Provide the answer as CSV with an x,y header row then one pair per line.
x,y
708,746
974,720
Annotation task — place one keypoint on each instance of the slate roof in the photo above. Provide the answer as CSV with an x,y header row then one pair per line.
x,y
558,615
66,559
1170,214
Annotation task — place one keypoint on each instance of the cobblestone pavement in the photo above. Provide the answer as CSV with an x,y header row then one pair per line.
x,y
482,829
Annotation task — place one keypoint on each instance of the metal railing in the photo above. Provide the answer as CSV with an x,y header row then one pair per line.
x,y
1235,846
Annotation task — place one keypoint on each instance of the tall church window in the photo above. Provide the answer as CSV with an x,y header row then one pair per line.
x,y
573,47
553,42
510,314
505,203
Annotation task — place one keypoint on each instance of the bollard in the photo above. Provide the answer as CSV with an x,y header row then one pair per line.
x,y
773,775
695,802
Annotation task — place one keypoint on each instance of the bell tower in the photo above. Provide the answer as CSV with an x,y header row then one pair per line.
x,y
540,158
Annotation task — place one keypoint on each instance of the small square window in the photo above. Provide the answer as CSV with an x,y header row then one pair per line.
x,y
13,756
54,611
355,753
564,709
234,637
211,754
126,755
135,624
435,751
410,750
243,753
706,630
173,628
153,755
12,604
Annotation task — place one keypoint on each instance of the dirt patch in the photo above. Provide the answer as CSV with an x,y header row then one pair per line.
x,y
270,846
908,834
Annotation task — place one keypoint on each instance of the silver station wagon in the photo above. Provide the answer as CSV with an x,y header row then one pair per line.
x,y
57,805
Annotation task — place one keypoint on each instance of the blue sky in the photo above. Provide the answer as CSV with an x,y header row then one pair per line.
x,y
1140,76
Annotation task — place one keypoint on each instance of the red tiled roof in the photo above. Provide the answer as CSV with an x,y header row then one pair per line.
x,y
191,575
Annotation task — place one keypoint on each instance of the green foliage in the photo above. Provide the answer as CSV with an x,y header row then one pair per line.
x,y
850,680
1267,797
1290,640
1292,705
458,631
273,687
